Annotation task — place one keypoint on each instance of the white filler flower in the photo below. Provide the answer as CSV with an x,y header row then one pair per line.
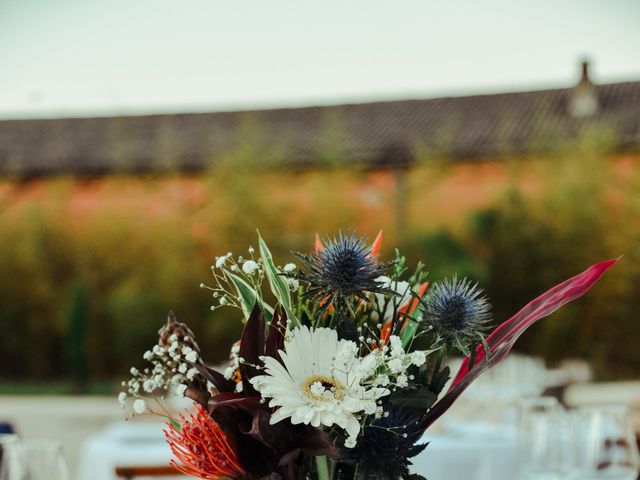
x,y
249,267
322,382
139,406
403,291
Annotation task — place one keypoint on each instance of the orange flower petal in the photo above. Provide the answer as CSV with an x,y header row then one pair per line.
x,y
319,245
375,248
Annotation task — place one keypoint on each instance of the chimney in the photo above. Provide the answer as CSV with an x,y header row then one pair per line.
x,y
583,99
585,71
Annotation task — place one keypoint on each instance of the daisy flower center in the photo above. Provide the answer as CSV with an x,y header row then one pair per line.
x,y
322,388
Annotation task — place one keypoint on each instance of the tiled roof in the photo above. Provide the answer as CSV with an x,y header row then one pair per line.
x,y
472,127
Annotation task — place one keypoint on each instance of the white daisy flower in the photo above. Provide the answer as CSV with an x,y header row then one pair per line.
x,y
322,382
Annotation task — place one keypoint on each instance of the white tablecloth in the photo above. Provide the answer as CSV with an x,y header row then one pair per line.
x,y
465,454
122,445
483,455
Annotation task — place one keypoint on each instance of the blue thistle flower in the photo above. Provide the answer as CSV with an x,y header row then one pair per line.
x,y
344,268
457,309
389,442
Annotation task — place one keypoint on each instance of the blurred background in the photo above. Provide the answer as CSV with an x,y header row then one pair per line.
x,y
498,140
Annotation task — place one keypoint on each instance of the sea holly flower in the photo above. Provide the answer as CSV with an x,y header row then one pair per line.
x,y
457,310
321,381
388,442
341,269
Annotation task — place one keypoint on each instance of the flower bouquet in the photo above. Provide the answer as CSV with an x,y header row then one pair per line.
x,y
340,369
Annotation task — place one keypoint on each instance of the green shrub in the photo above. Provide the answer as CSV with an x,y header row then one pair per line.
x,y
84,289
583,212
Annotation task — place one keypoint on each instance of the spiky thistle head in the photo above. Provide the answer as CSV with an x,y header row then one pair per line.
x,y
457,309
340,269
389,442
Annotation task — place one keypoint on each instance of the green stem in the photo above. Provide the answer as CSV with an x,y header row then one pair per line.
x,y
323,468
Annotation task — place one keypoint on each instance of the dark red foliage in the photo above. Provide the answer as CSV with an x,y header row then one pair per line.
x,y
261,448
504,337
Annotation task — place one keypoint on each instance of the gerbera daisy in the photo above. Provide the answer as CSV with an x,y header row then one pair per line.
x,y
321,381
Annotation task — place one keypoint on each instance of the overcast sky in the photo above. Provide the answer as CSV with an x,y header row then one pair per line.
x,y
101,57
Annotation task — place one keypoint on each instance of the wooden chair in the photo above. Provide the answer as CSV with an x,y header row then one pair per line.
x,y
128,473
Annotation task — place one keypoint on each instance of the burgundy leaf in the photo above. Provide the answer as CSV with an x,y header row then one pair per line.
x,y
284,437
275,340
234,400
251,349
198,395
290,457
504,337
216,378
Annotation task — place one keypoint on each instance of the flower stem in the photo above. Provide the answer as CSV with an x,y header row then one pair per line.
x,y
323,469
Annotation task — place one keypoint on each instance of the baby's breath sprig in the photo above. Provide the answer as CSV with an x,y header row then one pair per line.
x,y
171,372
228,272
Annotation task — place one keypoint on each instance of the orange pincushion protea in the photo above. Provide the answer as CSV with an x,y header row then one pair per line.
x,y
202,449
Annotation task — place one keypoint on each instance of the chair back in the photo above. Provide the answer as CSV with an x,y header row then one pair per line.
x,y
128,473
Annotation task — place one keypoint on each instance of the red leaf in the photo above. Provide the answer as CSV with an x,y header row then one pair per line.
x,y
251,348
216,378
275,340
504,337
234,400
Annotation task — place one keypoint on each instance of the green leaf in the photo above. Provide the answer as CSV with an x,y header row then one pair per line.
x,y
408,333
322,467
419,398
277,282
464,349
248,297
